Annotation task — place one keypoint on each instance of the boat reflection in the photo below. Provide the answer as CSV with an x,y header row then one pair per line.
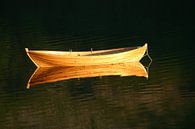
x,y
53,74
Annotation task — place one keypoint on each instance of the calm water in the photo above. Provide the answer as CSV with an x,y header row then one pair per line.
x,y
165,100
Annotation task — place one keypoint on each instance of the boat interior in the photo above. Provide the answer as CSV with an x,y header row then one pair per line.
x,y
85,53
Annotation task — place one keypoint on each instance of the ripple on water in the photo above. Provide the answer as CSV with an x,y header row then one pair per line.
x,y
106,102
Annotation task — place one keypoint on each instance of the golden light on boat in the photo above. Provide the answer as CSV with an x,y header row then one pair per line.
x,y
43,58
55,66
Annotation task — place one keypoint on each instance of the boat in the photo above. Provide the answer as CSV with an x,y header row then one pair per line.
x,y
47,58
53,74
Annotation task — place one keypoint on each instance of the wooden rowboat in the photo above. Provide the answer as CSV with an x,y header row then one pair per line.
x,y
53,74
86,58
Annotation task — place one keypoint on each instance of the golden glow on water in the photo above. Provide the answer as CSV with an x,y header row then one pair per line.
x,y
53,74
166,100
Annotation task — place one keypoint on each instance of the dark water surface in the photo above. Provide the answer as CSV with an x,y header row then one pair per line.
x,y
166,100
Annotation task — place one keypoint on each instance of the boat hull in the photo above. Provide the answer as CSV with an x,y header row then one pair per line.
x,y
103,57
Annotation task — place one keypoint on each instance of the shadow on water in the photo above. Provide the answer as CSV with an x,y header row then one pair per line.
x,y
165,100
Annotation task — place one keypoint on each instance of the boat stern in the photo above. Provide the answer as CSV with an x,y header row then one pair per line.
x,y
27,52
26,49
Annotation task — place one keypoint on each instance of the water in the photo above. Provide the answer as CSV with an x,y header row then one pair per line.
x,y
165,100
